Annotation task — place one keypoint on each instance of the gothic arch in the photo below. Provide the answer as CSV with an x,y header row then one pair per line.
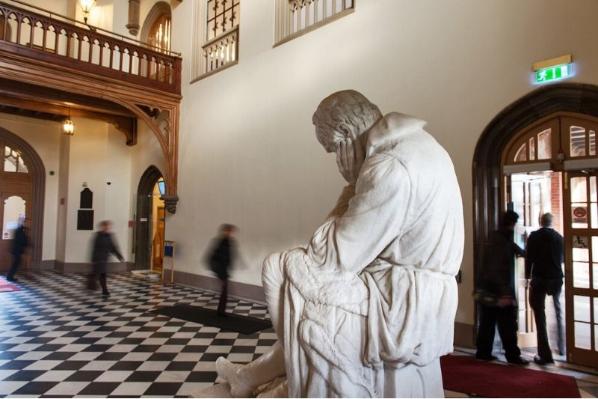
x,y
566,97
159,9
143,216
38,175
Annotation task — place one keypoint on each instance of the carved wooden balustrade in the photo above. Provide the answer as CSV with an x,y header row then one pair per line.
x,y
221,52
296,17
62,41
66,63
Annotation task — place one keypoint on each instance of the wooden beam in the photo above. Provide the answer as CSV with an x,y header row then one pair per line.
x,y
42,110
27,70
61,98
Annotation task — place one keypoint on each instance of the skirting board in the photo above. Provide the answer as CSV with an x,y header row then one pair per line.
x,y
73,267
241,290
464,335
43,265
86,268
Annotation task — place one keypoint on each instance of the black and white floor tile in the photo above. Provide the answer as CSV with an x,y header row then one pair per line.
x,y
57,339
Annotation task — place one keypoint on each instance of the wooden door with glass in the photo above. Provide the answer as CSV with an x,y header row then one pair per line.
x,y
16,189
581,267
553,166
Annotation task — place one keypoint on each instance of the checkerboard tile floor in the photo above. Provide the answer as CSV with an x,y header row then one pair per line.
x,y
58,339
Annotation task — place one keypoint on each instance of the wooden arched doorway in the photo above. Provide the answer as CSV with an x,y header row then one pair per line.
x,y
540,155
150,221
22,190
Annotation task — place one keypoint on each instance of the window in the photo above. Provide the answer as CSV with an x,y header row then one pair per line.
x,y
582,141
14,213
223,16
555,142
296,17
220,37
159,35
156,32
13,162
157,26
535,148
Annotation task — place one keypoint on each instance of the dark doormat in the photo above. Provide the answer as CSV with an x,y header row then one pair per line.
x,y
476,378
208,317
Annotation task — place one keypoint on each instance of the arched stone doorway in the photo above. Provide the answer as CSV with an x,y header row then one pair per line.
x,y
501,153
150,221
22,185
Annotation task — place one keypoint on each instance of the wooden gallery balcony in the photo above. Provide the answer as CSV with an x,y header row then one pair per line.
x,y
71,63
65,42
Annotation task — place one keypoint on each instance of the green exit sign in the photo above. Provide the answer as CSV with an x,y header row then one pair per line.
x,y
550,74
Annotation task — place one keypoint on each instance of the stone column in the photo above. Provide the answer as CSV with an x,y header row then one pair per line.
x,y
133,25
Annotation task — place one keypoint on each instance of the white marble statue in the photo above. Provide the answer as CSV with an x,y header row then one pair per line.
x,y
368,307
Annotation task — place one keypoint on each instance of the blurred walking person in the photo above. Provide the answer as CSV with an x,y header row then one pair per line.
x,y
20,242
103,246
496,294
221,259
544,257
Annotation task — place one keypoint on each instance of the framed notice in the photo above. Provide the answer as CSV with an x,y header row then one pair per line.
x,y
85,219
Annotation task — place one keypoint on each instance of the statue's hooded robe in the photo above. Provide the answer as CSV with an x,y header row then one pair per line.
x,y
375,293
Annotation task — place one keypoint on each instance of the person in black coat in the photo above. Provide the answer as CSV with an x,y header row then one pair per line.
x,y
543,262
496,293
103,247
20,242
221,259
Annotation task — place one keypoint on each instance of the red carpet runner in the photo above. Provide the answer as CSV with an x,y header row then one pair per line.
x,y
473,377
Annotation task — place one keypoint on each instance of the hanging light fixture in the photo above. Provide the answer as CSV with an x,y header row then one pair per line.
x,y
86,6
68,127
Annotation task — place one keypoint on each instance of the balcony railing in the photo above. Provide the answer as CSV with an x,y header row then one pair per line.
x,y
62,41
220,52
296,17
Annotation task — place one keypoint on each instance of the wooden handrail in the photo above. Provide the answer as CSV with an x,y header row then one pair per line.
x,y
53,15
87,49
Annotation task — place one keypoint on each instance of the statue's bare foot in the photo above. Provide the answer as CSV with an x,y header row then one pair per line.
x,y
232,374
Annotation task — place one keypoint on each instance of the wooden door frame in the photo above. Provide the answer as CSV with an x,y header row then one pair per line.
x,y
142,237
577,98
37,171
581,356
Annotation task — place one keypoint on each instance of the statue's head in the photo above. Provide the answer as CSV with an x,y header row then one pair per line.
x,y
341,115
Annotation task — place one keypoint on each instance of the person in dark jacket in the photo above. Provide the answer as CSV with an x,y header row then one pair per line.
x,y
20,242
544,257
221,259
497,282
103,247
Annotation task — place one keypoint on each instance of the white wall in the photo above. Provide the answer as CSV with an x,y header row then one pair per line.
x,y
98,156
248,153
61,7
95,155
44,137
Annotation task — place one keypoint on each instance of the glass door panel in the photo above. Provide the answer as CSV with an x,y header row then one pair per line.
x,y
581,266
531,195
